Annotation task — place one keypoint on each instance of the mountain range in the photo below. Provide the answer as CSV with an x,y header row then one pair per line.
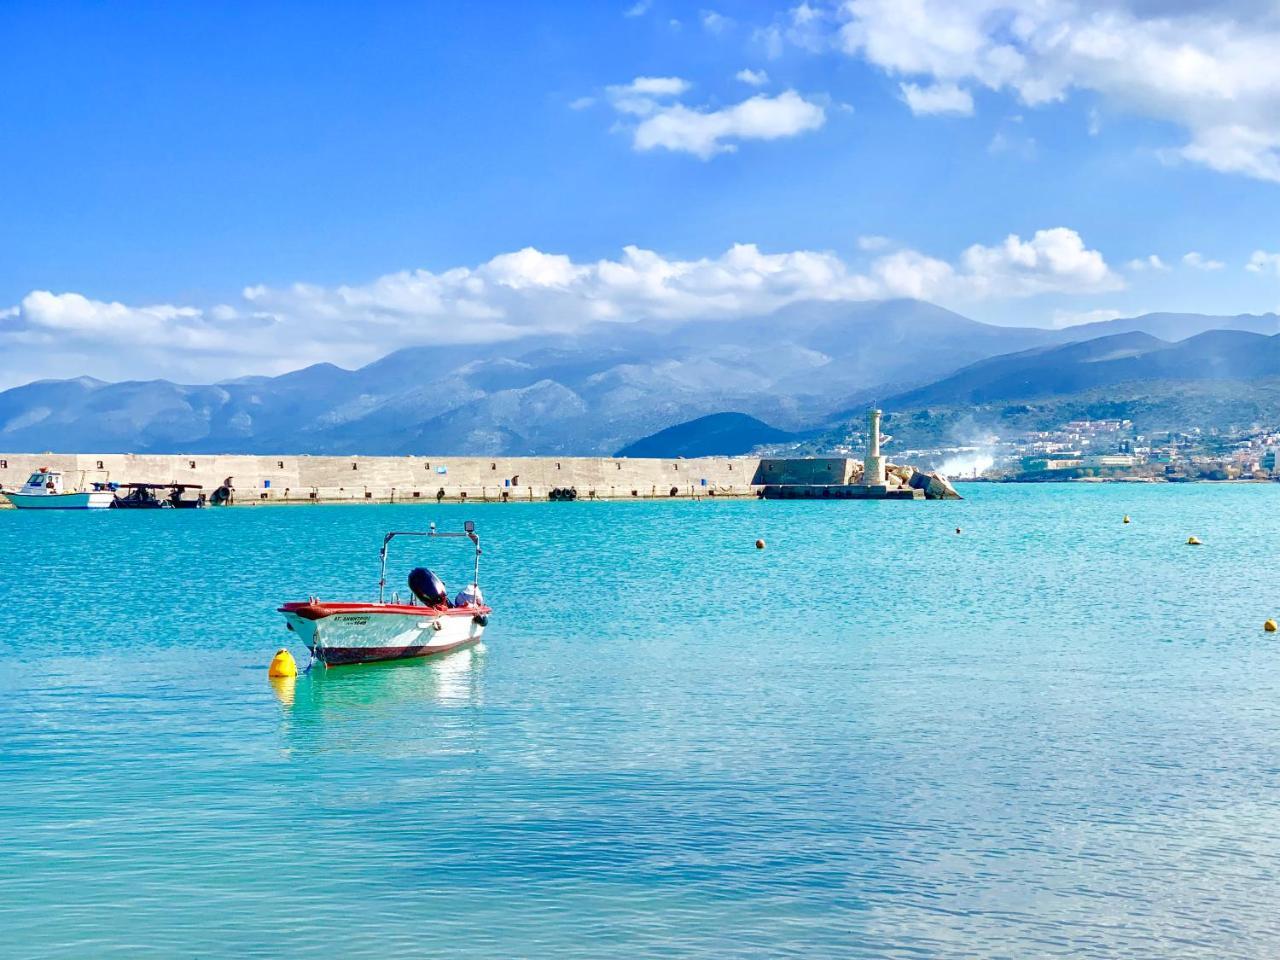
x,y
1107,361
715,435
804,367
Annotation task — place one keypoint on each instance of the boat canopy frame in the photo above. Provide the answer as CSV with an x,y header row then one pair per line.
x,y
468,532
160,486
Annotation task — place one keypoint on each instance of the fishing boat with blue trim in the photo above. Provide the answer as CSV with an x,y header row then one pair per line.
x,y
46,490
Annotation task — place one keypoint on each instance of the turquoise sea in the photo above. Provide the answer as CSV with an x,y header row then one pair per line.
x,y
1050,735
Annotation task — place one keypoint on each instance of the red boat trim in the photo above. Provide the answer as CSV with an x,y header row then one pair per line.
x,y
318,611
345,656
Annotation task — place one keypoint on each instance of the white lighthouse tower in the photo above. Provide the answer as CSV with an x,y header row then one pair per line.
x,y
873,463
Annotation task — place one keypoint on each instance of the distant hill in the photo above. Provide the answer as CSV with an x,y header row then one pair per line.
x,y
1221,380
720,434
1224,407
1106,361
1175,326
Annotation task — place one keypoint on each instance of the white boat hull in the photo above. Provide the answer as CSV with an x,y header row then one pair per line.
x,y
85,500
363,633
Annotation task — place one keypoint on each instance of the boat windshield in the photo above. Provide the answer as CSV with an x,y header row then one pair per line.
x,y
38,479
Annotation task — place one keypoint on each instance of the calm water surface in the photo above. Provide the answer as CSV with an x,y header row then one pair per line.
x,y
1051,735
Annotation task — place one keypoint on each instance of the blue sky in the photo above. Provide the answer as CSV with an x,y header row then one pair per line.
x,y
266,185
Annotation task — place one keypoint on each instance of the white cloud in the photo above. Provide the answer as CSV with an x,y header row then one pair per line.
x,y
532,268
805,25
1210,69
1073,318
1014,144
714,22
937,98
1237,148
909,273
1052,260
582,103
640,97
1152,262
638,9
1263,262
703,132
754,78
67,334
871,243
514,294
771,40
651,87
73,313
803,14
1198,262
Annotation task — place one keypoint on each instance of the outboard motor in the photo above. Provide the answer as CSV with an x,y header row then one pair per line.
x,y
428,588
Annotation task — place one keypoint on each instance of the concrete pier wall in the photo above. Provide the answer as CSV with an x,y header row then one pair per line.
x,y
822,471
335,479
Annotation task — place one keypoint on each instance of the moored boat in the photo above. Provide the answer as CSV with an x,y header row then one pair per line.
x,y
45,490
151,496
339,633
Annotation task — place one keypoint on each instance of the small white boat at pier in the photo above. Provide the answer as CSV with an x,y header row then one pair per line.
x,y
45,490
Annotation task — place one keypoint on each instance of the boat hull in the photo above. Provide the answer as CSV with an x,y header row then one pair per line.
x,y
85,500
341,634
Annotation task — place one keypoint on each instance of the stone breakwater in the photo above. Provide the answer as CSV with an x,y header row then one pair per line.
x,y
846,479
324,479
305,479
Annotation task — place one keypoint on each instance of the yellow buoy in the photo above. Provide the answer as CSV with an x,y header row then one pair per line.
x,y
1269,626
283,665
1193,542
759,544
1126,518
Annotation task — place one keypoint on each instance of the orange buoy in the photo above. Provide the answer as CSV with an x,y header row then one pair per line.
x,y
1269,626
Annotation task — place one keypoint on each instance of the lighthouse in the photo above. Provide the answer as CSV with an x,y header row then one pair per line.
x,y
873,464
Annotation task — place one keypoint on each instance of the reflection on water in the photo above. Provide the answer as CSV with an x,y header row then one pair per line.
x,y
390,688
284,688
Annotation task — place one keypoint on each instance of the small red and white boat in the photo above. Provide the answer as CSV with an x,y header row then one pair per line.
x,y
343,633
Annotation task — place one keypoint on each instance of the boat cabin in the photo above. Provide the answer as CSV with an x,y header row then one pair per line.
x,y
43,482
